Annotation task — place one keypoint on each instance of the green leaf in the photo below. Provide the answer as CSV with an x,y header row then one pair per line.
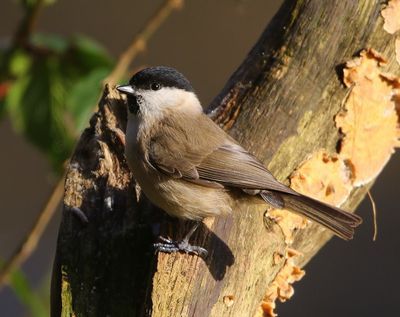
x,y
36,106
25,293
19,63
49,2
53,94
50,41
31,3
84,95
88,54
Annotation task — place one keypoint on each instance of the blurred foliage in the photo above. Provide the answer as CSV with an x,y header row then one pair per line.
x,y
49,89
36,305
49,85
31,3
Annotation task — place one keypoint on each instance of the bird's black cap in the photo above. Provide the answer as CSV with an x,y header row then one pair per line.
x,y
162,75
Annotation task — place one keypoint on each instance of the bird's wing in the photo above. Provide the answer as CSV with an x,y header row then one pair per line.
x,y
233,166
214,160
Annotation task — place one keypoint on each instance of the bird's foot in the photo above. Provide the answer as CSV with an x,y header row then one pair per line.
x,y
170,246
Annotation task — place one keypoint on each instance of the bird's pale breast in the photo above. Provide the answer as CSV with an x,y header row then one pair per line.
x,y
177,197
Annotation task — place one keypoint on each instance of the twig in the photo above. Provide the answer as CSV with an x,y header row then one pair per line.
x,y
28,245
139,42
30,242
371,199
27,25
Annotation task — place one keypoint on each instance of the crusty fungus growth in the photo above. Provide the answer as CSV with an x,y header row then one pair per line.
x,y
281,288
391,15
369,121
229,300
288,221
369,125
324,177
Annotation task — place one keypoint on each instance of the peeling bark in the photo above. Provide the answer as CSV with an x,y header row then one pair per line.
x,y
280,105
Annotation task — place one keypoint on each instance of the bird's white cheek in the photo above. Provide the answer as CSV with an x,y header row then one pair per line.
x,y
155,104
152,104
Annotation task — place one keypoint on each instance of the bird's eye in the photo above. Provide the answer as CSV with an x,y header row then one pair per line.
x,y
155,86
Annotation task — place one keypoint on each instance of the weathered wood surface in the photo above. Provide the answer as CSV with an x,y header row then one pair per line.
x,y
280,105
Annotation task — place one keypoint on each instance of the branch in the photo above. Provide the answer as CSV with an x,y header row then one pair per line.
x,y
27,24
280,105
29,243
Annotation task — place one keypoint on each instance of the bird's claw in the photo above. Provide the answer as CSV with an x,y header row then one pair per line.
x,y
169,246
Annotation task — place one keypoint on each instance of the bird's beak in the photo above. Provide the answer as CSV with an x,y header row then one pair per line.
x,y
125,89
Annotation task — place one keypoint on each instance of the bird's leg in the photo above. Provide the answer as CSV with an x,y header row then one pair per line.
x,y
169,246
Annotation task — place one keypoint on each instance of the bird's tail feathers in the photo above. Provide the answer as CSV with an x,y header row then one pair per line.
x,y
340,222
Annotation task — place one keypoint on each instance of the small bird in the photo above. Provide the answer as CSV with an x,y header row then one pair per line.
x,y
189,167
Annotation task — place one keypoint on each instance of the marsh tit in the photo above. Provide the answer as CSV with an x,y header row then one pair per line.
x,y
187,165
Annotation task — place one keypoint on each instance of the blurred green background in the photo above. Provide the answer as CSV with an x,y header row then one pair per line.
x,y
49,84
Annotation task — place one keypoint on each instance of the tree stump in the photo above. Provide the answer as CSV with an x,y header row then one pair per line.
x,y
280,104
